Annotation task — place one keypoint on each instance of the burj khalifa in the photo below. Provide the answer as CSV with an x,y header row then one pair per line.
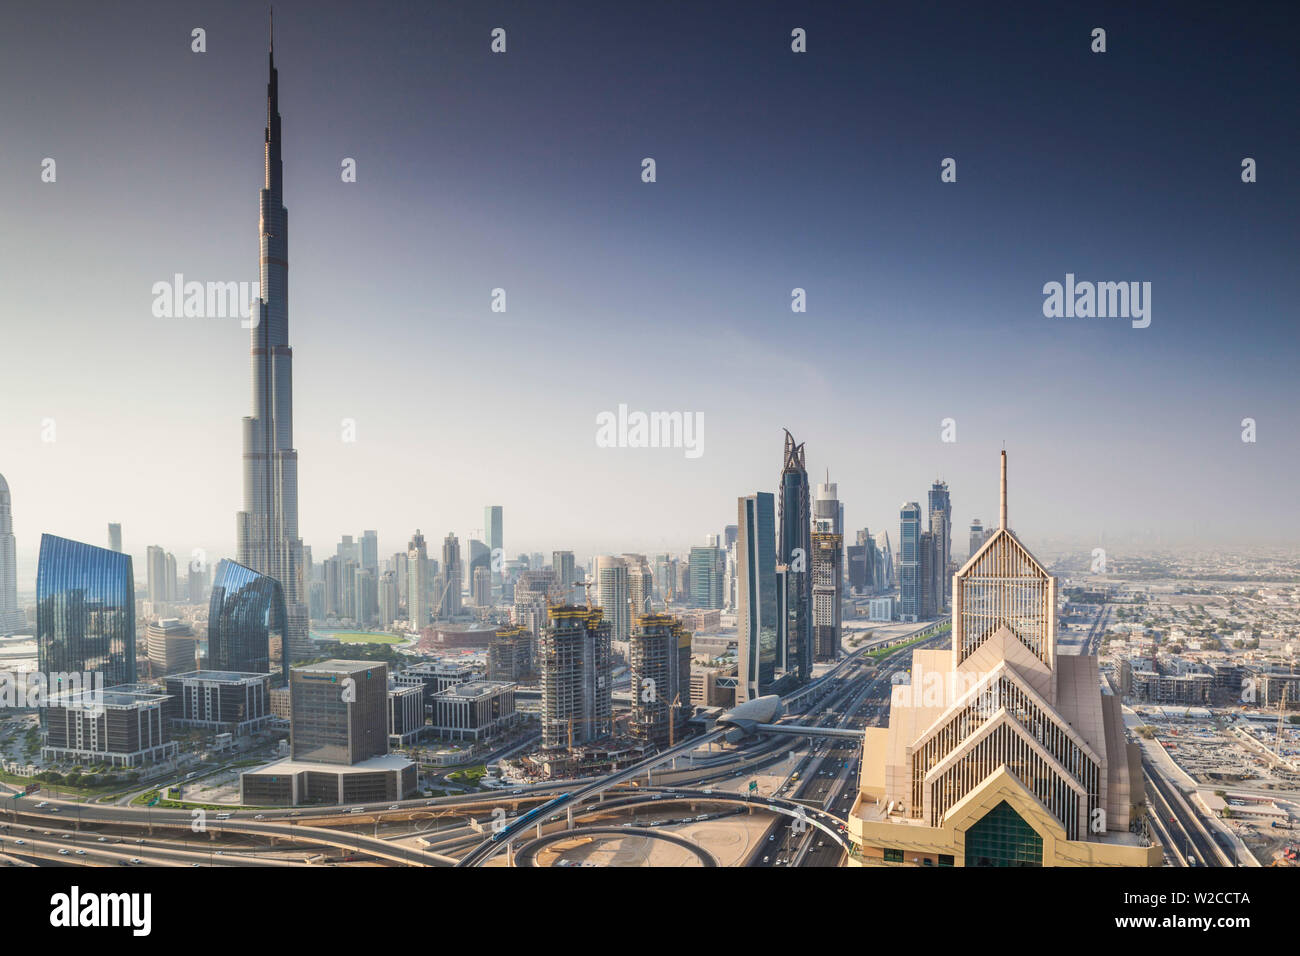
x,y
267,527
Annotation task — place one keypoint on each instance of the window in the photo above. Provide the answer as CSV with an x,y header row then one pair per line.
x,y
893,856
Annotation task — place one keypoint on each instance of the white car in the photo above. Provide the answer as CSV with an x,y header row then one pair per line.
x,y
42,805
136,859
393,807
63,852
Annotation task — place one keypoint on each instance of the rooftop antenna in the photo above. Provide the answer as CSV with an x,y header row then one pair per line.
x,y
1002,514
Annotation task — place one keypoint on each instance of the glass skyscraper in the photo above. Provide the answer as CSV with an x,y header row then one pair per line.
x,y
795,535
85,611
245,612
909,562
756,619
11,616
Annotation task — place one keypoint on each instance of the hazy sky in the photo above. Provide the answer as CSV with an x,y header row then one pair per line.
x,y
775,170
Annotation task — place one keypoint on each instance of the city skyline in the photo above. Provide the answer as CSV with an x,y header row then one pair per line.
x,y
1117,419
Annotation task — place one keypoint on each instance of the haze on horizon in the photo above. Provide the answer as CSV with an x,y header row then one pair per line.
x,y
522,171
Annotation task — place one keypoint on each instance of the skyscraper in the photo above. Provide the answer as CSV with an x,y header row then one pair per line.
x,y
115,537
828,596
794,550
612,590
941,530
267,527
246,622
562,563
1000,751
661,678
573,659
909,562
449,602
370,552
976,536
12,618
155,567
417,588
492,531
85,611
757,625
708,570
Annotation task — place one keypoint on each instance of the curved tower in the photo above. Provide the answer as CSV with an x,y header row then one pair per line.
x,y
267,527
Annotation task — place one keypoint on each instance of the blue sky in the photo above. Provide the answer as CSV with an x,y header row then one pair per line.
x,y
775,170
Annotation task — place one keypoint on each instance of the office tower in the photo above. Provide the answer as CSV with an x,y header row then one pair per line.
x,y
348,550
348,589
827,511
928,553
576,677
756,606
885,579
729,535
171,582
155,568
480,556
1001,752
171,646
338,711
909,563
729,579
85,611
12,618
115,537
331,569
367,595
828,596
247,623
267,527
533,594
389,599
481,587
612,594
665,577
941,530
562,562
661,678
976,537
858,558
794,550
492,532
707,575
400,566
195,572
683,581
370,551
449,596
640,586
418,582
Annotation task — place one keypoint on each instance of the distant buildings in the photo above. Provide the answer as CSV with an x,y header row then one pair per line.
x,y
510,655
708,565
449,603
85,611
941,537
613,595
562,564
115,537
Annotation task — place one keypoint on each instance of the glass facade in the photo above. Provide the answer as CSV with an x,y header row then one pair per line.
x,y
1003,838
756,586
85,616
246,615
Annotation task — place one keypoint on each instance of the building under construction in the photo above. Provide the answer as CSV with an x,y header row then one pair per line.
x,y
576,677
510,655
827,576
661,679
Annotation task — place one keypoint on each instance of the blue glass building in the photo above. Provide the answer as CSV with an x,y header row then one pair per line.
x,y
246,611
85,611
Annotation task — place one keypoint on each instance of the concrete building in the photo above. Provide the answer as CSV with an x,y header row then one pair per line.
x,y
476,710
1000,752
222,702
122,726
661,676
405,714
172,647
418,583
576,677
510,655
828,593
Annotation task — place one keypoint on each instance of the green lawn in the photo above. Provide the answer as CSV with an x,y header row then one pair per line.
x,y
357,637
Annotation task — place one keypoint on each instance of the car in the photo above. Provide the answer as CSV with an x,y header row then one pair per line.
x,y
136,859
42,805
139,841
45,833
20,842
223,816
260,816
81,853
54,809
67,836
357,810
393,807
63,851
772,837
103,839
221,853
766,858
193,864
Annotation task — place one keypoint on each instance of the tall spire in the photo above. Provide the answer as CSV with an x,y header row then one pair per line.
x,y
272,31
1002,514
